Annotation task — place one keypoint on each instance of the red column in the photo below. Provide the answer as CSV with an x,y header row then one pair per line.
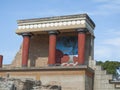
x,y
25,49
52,47
1,60
81,46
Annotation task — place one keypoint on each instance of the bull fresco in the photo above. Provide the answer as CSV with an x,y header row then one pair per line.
x,y
67,50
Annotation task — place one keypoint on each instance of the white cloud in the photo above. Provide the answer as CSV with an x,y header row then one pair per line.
x,y
113,41
102,51
107,53
108,48
106,7
108,1
113,32
109,34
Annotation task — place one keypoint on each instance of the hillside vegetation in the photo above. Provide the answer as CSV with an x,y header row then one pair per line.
x,y
110,66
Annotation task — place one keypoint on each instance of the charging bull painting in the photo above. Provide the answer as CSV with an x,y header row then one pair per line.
x,y
67,50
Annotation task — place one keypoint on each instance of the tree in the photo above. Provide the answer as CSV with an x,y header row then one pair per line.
x,y
109,66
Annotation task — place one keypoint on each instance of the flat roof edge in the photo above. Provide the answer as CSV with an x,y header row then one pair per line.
x,y
56,18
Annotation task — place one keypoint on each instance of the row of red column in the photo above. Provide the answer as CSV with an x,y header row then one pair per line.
x,y
81,47
52,47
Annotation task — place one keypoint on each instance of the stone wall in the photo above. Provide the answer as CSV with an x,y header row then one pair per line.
x,y
38,52
67,82
68,78
17,59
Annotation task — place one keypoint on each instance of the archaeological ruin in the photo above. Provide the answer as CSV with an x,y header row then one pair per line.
x,y
57,53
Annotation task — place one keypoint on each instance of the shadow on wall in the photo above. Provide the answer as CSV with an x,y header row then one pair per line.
x,y
38,48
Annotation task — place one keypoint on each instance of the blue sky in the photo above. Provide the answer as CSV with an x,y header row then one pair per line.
x,y
105,14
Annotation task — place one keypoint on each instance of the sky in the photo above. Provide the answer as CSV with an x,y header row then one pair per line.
x,y
104,13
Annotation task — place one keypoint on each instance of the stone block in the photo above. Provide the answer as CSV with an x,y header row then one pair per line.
x,y
98,77
98,68
107,77
104,81
100,72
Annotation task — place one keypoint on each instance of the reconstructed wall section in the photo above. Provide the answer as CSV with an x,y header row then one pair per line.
x,y
68,78
38,52
39,46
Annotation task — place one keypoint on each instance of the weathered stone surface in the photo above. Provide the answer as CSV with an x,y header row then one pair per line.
x,y
38,53
25,84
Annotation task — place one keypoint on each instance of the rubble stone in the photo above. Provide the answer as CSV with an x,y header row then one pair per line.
x,y
24,84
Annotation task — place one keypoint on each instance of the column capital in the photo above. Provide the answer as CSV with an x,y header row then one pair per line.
x,y
26,34
55,32
1,55
81,30
93,36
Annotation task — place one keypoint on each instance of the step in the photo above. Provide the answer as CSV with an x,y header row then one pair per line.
x,y
98,67
107,76
101,72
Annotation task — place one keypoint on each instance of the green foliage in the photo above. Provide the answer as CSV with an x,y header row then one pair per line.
x,y
110,66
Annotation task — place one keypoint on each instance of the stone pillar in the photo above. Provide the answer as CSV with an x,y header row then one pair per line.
x,y
25,49
87,48
92,47
52,47
1,60
81,45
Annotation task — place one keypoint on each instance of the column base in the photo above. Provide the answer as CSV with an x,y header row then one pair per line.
x,y
51,65
79,64
24,65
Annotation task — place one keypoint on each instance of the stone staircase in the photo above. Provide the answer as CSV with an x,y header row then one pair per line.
x,y
101,78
